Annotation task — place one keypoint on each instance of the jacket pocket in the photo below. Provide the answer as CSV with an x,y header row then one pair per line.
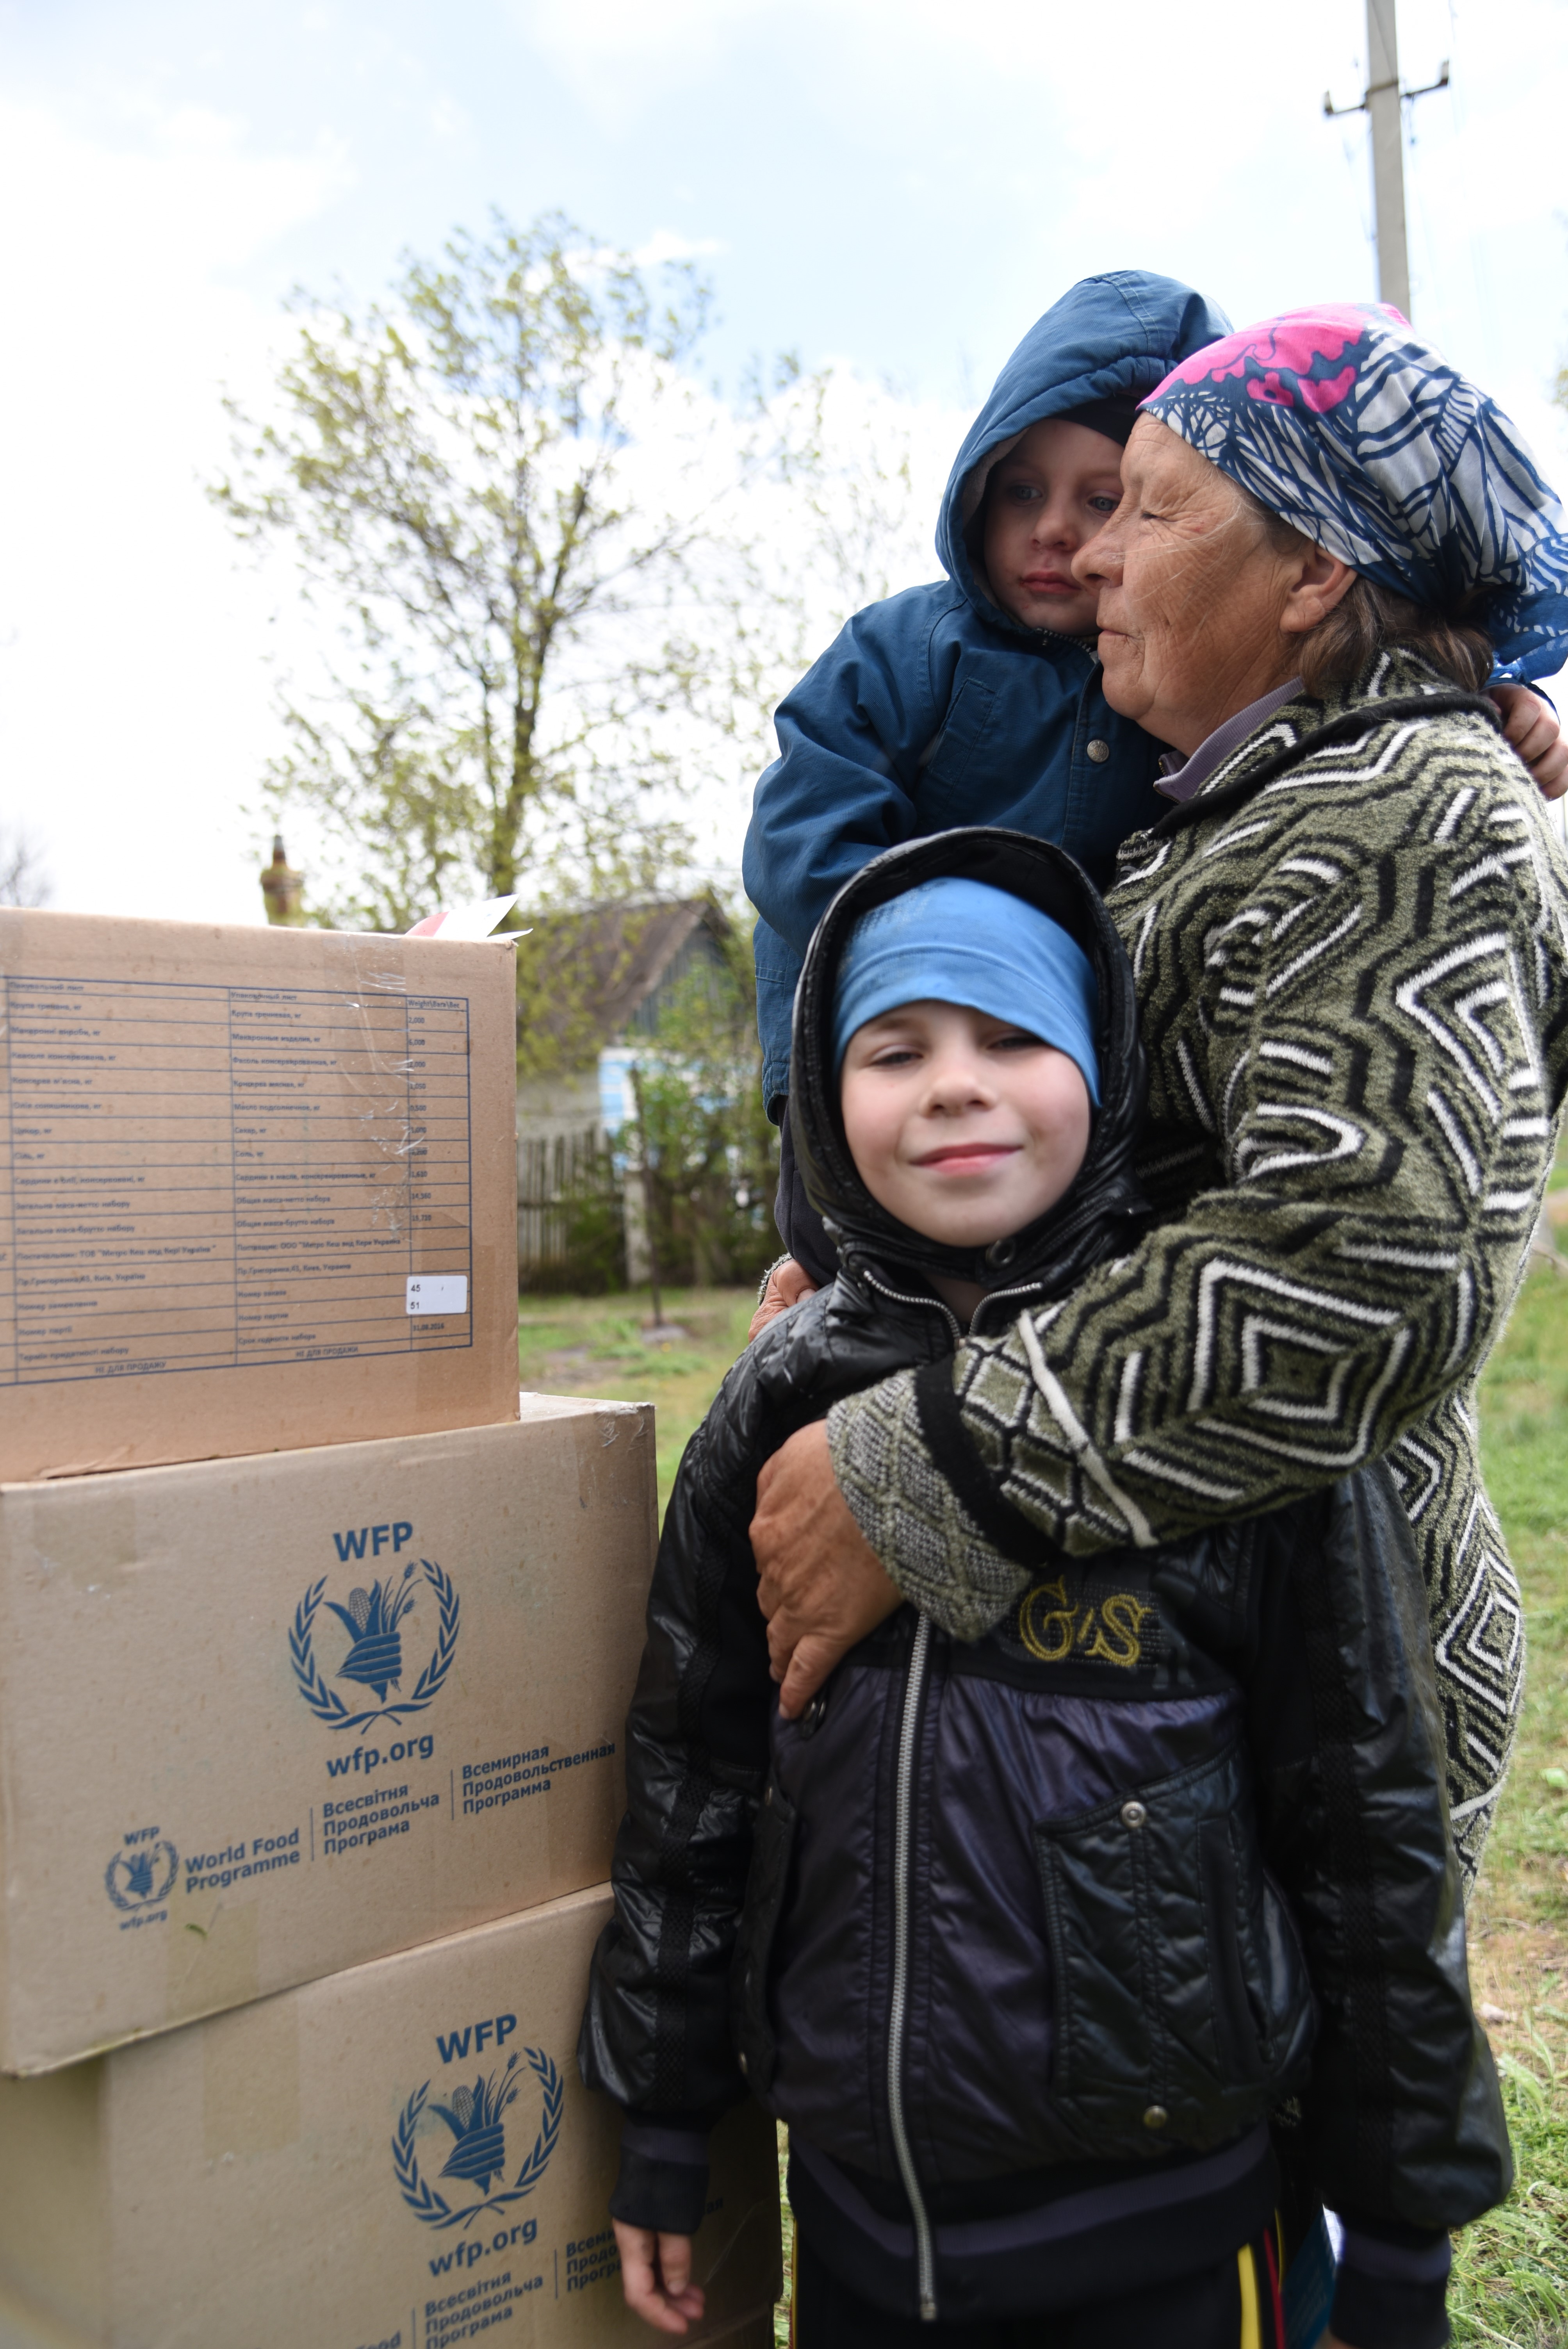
x,y
1237,2021
1182,2009
940,793
766,1886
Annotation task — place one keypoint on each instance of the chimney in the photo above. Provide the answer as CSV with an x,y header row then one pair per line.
x,y
283,888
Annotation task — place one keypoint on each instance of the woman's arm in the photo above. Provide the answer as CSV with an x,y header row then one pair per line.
x,y
1374,1037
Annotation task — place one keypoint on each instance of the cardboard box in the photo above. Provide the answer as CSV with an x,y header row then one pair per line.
x,y
24,2329
399,2157
263,1719
257,1189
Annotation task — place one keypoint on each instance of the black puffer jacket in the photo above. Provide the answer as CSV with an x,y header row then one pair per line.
x,y
1029,1941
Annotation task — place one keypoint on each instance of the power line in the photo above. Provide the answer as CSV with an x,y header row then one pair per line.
x,y
1383,102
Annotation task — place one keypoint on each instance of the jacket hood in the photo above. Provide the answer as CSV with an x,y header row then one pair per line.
x,y
1122,332
1096,1214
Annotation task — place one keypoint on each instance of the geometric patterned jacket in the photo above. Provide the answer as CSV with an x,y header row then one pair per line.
x,y
1351,953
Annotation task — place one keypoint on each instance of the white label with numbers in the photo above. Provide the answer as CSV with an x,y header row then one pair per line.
x,y
438,1292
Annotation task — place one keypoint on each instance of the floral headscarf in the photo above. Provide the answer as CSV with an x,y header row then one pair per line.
x,y
1343,421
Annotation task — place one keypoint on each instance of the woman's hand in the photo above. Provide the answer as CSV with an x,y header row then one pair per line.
x,y
1531,725
655,2277
820,1583
787,1284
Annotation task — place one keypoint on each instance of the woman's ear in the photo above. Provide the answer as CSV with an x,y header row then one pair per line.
x,y
1315,581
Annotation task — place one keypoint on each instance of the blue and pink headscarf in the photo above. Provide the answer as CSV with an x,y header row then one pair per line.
x,y
1344,422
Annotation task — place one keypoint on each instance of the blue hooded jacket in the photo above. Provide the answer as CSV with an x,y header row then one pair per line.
x,y
935,707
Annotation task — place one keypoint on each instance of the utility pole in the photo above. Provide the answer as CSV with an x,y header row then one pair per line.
x,y
650,1203
1383,103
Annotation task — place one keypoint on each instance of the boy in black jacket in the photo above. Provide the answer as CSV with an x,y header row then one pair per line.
x,y
1075,1955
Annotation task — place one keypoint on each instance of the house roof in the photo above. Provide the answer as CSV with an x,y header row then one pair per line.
x,y
585,976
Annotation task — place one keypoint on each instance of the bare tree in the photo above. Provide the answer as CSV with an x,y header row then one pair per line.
x,y
23,878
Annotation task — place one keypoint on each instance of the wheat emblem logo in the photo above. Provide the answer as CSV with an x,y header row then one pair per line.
x,y
374,1620
140,1880
478,2157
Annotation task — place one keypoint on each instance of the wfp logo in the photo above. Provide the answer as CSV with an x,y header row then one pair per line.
x,y
478,2156
374,1659
143,1878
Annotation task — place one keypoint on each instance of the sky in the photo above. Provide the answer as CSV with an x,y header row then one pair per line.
x,y
895,186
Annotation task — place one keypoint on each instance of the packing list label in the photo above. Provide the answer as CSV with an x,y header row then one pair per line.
x,y
197,1177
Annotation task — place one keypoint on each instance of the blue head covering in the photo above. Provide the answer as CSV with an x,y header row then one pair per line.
x,y
1344,422
964,942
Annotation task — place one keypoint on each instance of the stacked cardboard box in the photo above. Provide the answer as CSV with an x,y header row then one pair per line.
x,y
256,1190
401,2153
316,1734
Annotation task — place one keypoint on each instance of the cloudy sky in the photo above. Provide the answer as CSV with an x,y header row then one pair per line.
x,y
894,184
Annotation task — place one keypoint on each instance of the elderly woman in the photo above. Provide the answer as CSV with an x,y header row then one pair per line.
x,y
1350,937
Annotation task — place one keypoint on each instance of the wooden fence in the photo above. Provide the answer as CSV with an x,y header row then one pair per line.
x,y
569,1227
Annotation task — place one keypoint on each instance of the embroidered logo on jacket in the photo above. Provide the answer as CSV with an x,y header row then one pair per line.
x,y
1053,1627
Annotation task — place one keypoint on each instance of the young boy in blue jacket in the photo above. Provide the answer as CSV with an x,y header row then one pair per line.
x,y
977,699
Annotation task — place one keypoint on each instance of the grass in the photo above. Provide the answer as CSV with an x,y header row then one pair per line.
x,y
1511,2270
599,1345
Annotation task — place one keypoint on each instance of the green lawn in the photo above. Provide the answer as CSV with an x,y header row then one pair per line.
x,y
596,1346
1511,2270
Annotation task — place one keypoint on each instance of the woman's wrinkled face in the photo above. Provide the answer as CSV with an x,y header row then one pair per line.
x,y
1192,591
1045,500
963,1126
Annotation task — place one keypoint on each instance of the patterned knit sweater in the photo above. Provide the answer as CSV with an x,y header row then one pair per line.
x,y
1352,976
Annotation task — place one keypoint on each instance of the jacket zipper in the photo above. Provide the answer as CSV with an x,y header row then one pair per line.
x,y
903,1869
1055,636
1002,1296
931,1304
935,1304
898,2012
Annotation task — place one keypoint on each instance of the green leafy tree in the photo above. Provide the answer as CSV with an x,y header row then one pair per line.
x,y
712,1155
827,519
500,489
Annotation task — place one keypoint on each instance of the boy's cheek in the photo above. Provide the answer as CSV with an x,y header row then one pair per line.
x,y
873,1123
